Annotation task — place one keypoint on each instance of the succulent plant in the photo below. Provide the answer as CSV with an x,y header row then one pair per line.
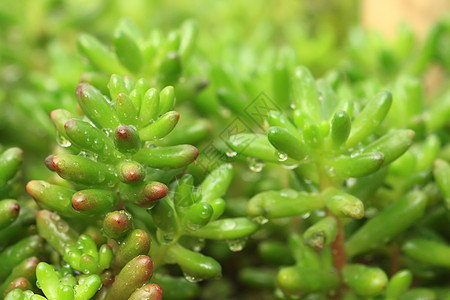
x,y
306,159
330,146
158,58
118,166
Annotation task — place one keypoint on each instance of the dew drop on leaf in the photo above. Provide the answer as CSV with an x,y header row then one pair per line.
x,y
261,220
228,224
106,131
198,245
164,238
305,216
350,182
192,227
83,154
237,244
149,145
62,141
330,172
289,166
63,227
255,164
282,156
320,212
231,153
192,278
101,176
55,217
149,207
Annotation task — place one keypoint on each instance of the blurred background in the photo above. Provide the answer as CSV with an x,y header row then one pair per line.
x,y
40,65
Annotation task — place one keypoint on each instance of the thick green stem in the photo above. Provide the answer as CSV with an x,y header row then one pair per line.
x,y
337,247
159,251
159,255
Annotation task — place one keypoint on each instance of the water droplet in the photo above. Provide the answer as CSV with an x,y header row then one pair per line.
x,y
110,184
293,106
282,156
96,145
63,227
306,215
149,145
78,273
55,217
83,153
288,193
101,176
320,213
192,278
164,238
331,172
226,113
236,245
149,207
198,245
106,131
62,141
261,220
370,212
228,225
231,153
289,166
108,100
255,164
351,182
192,227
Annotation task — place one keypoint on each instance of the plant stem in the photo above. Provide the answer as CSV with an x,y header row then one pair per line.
x,y
395,258
337,247
160,251
159,255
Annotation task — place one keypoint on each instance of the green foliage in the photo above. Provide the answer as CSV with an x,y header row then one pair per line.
x,y
316,149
